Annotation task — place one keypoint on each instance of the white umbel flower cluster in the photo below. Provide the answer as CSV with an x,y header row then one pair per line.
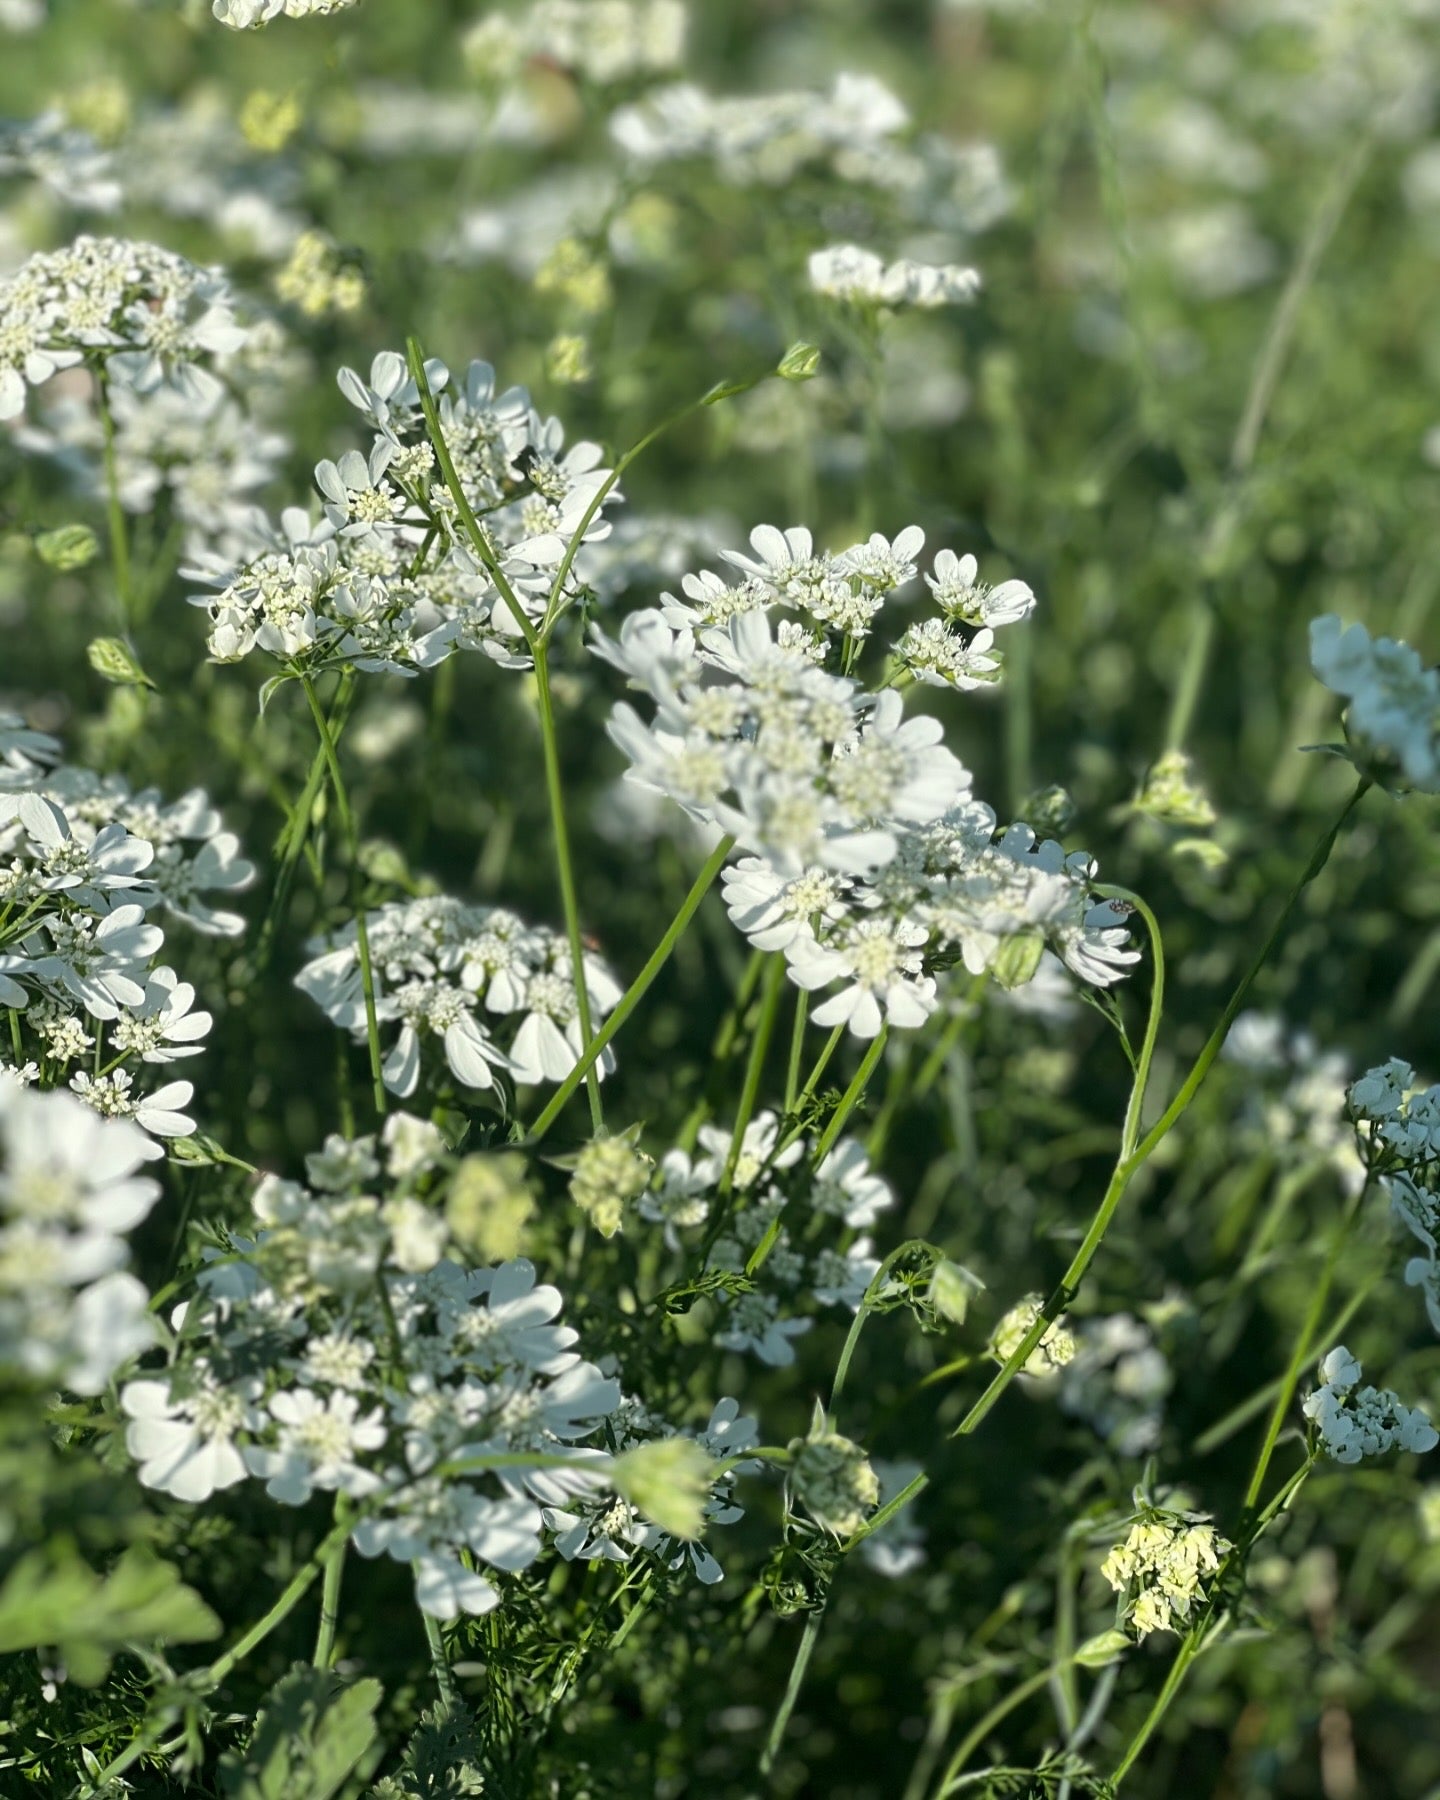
x,y
865,848
858,132
196,450
815,1223
341,1351
847,272
141,312
1392,718
243,15
439,965
1355,1422
1397,1122
1162,1568
85,865
70,1312
601,41
387,580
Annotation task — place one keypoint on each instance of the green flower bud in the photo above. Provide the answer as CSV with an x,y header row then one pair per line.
x,y
67,547
608,1174
669,1481
799,363
951,1289
1018,958
832,1479
113,660
489,1206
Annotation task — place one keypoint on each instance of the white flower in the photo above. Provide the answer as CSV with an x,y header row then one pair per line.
x,y
753,1323
775,910
158,1113
432,1522
163,1027
847,1188
1394,701
184,1441
1355,1422
965,600
879,962
1380,1092
318,1444
68,1187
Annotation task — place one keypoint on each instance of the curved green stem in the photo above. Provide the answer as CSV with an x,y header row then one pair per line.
x,y
797,1049
1304,1344
1133,1159
987,1723
1264,380
362,929
330,1596
440,1662
636,991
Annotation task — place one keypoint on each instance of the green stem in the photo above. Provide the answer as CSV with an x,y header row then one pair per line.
x,y
440,1662
852,1096
330,1597
1132,1160
1200,1631
771,989
797,1049
807,1093
1302,1349
296,830
636,992
555,793
300,1584
537,642
792,1691
474,529
115,513
1264,379
352,848
987,1723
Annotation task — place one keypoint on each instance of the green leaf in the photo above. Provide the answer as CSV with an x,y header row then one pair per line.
x,y
88,1617
311,1735
441,1760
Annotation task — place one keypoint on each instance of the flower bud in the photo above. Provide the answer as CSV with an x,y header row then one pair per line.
x,y
669,1481
489,1206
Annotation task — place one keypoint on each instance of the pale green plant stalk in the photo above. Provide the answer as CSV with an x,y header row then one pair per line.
x,y
362,930
635,993
771,986
1264,380
536,642
114,512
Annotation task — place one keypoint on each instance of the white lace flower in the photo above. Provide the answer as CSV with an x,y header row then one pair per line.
x,y
318,1444
183,1436
880,965
1355,1422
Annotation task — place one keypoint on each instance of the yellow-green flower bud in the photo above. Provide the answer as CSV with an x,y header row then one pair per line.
x,y
489,1206
67,547
608,1174
669,1481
